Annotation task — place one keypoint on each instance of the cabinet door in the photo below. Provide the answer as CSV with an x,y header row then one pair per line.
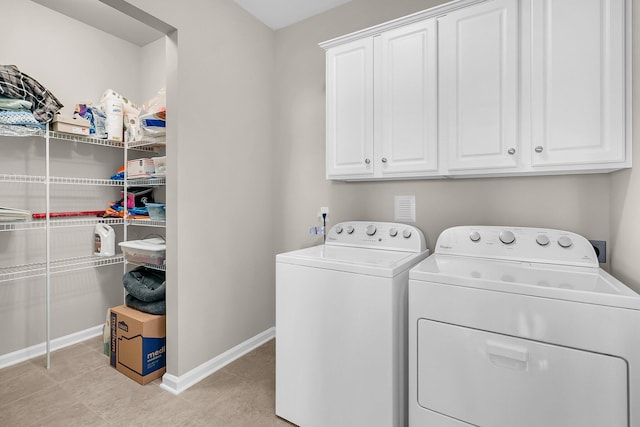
x,y
478,47
578,81
350,109
406,100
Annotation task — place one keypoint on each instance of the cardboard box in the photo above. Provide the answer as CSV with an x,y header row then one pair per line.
x,y
140,168
74,125
138,343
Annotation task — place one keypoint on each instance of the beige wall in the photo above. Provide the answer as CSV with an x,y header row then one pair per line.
x,y
219,192
578,203
624,247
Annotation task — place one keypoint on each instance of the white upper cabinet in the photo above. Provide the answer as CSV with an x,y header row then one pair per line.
x,y
394,76
350,110
479,80
406,101
578,82
483,88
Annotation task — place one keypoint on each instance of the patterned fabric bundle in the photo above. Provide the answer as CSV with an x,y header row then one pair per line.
x,y
19,118
17,85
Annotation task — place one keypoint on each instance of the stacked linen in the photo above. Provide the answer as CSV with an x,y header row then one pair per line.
x,y
18,122
24,101
16,117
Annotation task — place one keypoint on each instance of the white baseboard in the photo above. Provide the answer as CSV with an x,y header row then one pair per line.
x,y
177,385
18,356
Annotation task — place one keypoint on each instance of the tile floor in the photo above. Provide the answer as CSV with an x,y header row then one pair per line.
x,y
81,389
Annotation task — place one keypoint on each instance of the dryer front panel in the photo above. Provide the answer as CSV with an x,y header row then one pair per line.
x,y
490,379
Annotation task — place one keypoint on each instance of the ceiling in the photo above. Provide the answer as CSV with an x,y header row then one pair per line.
x,y
275,14
278,14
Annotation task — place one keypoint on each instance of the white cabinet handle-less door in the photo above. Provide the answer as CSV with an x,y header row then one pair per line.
x,y
350,109
478,47
578,81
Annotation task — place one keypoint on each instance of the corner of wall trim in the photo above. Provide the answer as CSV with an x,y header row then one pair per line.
x,y
24,354
177,384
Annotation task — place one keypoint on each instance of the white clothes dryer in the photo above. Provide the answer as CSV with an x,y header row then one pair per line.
x,y
520,327
341,310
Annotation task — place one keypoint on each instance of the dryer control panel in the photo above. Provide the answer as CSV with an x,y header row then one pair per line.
x,y
518,244
377,235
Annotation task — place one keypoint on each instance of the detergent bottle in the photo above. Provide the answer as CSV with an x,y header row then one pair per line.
x,y
104,240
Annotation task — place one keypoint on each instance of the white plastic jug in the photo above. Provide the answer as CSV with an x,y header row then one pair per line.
x,y
104,240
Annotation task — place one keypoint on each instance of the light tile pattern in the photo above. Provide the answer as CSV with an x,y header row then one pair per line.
x,y
81,389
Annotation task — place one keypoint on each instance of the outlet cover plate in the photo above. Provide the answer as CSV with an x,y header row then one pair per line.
x,y
600,247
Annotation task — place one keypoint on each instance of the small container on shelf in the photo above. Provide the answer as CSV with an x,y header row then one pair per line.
x,y
140,168
160,166
73,125
156,211
148,251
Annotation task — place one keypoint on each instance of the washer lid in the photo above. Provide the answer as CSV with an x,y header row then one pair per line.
x,y
583,284
377,262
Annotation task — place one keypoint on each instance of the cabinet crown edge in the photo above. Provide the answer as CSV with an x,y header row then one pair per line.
x,y
432,12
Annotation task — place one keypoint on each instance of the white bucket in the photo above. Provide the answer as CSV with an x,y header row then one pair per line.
x,y
104,240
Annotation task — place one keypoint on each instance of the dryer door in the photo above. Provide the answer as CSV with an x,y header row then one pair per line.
x,y
489,379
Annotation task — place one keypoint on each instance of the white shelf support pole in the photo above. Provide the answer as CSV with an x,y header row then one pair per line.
x,y
47,184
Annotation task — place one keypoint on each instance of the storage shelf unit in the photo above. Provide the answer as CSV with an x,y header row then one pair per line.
x,y
49,266
57,266
156,267
60,180
22,178
144,145
147,222
58,223
146,182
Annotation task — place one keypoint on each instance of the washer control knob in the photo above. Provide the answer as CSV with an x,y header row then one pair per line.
x,y
542,240
474,236
393,232
371,230
565,241
338,229
350,229
406,233
507,237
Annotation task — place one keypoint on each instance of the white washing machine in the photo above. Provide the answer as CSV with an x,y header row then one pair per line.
x,y
341,310
520,327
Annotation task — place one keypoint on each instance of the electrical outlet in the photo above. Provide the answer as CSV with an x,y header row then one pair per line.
x,y
600,246
323,210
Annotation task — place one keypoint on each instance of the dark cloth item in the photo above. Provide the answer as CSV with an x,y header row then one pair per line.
x,y
155,307
145,284
17,85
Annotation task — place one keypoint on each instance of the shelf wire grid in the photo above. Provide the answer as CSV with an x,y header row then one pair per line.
x,y
37,269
